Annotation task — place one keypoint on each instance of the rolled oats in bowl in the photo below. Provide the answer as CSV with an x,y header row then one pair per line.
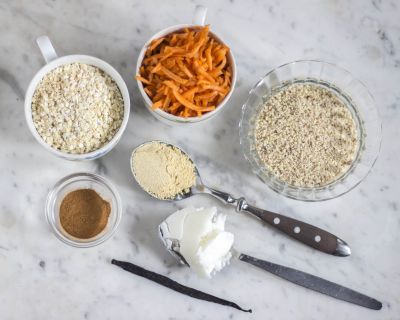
x,y
77,108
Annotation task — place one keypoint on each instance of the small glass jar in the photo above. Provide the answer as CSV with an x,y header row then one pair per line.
x,y
83,181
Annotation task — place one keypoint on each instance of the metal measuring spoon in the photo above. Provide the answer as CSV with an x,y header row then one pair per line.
x,y
306,233
298,277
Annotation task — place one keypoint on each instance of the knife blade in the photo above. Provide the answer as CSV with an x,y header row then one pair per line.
x,y
315,283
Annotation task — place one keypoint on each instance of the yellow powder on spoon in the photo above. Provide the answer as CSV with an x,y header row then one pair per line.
x,y
162,170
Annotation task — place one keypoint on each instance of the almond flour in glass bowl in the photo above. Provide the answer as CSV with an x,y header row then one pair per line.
x,y
350,91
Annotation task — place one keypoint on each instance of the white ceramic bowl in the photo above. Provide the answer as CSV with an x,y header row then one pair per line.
x,y
198,20
53,62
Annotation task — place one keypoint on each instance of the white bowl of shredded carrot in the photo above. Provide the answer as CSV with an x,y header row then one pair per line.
x,y
185,73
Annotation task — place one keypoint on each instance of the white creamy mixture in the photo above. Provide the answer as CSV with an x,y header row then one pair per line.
x,y
203,242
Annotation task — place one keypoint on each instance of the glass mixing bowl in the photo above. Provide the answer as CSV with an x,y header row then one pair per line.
x,y
83,181
355,96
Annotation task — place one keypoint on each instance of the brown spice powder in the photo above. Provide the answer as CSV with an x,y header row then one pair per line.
x,y
84,213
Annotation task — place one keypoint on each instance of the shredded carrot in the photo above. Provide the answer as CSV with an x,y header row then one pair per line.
x,y
186,73
208,96
157,104
209,58
172,75
155,43
143,80
185,102
215,87
167,101
171,85
184,69
149,93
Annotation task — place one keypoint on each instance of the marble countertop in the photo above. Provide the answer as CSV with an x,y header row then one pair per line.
x,y
42,278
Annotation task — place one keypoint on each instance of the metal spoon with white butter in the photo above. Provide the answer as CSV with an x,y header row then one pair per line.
x,y
199,229
306,233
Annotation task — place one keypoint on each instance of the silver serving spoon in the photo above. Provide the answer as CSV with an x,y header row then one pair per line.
x,y
298,277
306,233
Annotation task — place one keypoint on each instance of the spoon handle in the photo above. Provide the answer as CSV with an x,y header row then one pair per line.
x,y
306,233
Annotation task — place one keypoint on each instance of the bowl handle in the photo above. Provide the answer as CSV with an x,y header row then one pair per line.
x,y
46,48
199,15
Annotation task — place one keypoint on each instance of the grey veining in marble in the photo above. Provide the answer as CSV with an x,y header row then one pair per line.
x,y
41,278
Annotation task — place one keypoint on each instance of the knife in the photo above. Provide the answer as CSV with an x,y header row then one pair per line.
x,y
314,283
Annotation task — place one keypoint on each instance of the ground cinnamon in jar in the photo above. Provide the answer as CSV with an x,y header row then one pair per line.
x,y
84,213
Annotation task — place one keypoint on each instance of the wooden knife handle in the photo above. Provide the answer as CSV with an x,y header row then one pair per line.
x,y
306,233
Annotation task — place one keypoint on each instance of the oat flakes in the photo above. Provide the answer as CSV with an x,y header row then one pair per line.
x,y
77,108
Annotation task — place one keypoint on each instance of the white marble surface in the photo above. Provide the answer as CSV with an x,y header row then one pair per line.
x,y
41,278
